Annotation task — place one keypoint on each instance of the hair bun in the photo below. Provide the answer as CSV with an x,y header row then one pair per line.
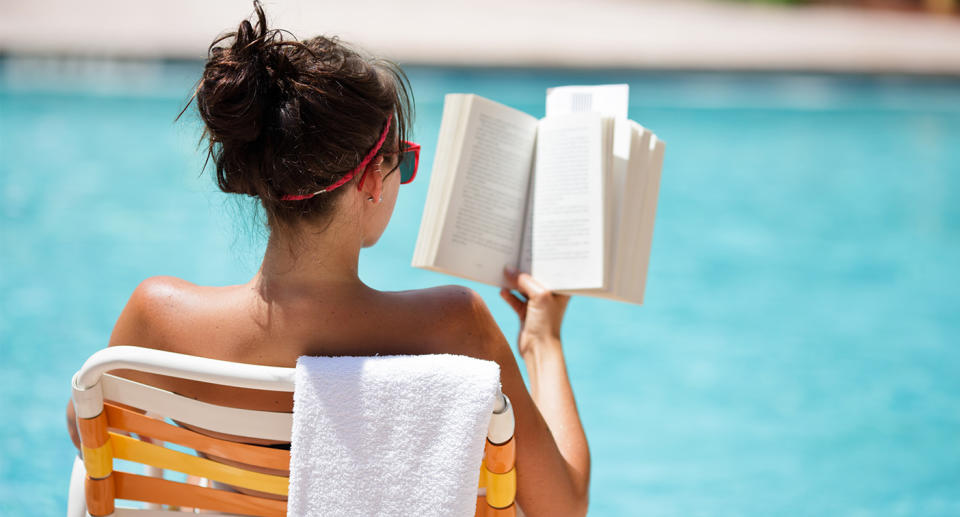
x,y
233,94
288,117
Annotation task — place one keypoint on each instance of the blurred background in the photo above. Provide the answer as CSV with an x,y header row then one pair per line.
x,y
797,350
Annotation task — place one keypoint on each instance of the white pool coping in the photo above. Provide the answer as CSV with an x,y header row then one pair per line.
x,y
566,33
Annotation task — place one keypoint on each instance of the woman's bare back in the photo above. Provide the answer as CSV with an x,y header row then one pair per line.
x,y
236,323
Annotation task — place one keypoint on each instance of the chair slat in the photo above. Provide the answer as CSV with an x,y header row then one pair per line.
x,y
98,462
267,425
93,431
137,512
124,419
100,495
485,510
131,449
500,459
501,488
162,362
135,487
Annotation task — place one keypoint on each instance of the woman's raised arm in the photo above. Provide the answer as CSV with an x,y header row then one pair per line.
x,y
553,459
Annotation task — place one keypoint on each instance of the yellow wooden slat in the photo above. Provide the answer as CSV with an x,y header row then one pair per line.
x,y
131,449
126,420
98,462
501,488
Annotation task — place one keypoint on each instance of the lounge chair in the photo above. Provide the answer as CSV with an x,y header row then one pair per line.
x,y
105,423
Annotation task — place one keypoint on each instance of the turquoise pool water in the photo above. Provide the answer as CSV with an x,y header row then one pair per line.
x,y
797,354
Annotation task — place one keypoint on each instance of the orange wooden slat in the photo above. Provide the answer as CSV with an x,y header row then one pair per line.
x,y
124,419
99,494
161,491
500,459
485,510
510,511
93,431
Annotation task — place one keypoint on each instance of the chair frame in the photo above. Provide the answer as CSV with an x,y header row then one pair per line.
x,y
95,486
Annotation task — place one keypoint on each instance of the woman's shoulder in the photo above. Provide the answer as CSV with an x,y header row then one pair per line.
x,y
157,288
154,304
447,303
159,292
452,313
452,295
158,296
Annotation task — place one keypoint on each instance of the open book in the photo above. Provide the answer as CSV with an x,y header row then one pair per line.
x,y
570,198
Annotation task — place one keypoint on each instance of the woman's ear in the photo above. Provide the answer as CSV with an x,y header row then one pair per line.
x,y
372,189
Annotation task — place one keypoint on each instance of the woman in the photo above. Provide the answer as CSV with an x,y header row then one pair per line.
x,y
316,131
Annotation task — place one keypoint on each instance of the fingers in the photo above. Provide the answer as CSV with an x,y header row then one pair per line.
x,y
523,282
530,287
518,306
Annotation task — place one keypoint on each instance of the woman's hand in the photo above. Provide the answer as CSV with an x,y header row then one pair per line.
x,y
540,311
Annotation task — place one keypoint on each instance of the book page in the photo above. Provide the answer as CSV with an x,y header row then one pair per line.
x,y
484,218
622,136
449,144
636,226
569,223
644,242
636,188
611,100
525,260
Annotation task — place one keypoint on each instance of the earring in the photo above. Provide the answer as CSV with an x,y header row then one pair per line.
x,y
370,198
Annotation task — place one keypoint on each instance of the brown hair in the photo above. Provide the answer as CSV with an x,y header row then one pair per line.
x,y
290,117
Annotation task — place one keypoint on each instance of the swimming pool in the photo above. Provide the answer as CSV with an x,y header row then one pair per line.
x,y
797,353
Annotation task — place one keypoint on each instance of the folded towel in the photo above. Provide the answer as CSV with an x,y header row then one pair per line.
x,y
389,435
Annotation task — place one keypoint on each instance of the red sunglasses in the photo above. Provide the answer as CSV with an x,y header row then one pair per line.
x,y
408,163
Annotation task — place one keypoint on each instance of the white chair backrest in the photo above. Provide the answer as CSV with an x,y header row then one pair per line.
x,y
92,385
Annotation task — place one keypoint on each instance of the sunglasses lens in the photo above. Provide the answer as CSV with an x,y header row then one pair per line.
x,y
408,165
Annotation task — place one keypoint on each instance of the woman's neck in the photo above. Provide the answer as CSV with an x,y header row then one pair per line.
x,y
309,259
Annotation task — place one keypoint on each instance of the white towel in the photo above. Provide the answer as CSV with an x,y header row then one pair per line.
x,y
389,435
